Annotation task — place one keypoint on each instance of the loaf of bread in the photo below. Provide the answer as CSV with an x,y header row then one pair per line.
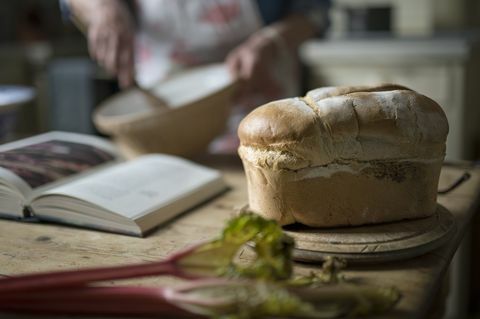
x,y
344,156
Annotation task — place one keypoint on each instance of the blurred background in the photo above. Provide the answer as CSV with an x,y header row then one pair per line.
x,y
431,46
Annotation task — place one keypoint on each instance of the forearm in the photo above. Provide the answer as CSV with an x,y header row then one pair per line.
x,y
292,31
109,29
85,11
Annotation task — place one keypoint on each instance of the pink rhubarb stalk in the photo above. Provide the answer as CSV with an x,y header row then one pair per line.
x,y
93,301
44,281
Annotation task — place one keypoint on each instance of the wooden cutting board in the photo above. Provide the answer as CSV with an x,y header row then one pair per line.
x,y
374,243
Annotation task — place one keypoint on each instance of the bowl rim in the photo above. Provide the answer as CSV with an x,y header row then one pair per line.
x,y
110,124
103,121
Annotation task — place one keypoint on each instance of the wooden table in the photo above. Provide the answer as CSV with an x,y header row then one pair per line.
x,y
40,247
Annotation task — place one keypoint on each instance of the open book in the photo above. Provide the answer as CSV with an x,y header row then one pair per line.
x,y
81,180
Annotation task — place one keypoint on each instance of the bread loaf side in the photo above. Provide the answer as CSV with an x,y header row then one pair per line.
x,y
344,156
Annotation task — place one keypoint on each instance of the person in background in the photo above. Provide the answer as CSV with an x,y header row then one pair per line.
x,y
147,40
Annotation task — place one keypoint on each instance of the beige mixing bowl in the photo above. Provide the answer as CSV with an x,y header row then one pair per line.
x,y
199,102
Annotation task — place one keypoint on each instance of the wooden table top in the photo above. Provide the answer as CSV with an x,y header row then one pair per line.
x,y
26,247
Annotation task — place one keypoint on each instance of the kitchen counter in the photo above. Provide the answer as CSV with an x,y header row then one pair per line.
x,y
28,247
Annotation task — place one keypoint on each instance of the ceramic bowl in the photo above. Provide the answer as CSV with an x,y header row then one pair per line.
x,y
198,100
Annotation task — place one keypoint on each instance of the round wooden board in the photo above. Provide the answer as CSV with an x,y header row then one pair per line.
x,y
374,243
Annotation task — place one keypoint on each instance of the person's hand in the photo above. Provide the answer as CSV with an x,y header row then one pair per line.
x,y
251,61
110,40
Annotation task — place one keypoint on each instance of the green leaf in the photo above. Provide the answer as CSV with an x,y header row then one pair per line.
x,y
243,299
273,251
331,273
275,294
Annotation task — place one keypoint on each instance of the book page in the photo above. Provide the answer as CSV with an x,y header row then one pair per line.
x,y
140,186
44,160
10,179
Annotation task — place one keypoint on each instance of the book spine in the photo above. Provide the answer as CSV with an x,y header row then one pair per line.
x,y
28,214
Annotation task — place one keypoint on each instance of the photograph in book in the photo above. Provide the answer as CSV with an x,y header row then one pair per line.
x,y
47,162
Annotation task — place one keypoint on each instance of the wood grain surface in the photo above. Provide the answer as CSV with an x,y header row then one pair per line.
x,y
374,243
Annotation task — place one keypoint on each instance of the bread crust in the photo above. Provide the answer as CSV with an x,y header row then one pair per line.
x,y
344,156
358,123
